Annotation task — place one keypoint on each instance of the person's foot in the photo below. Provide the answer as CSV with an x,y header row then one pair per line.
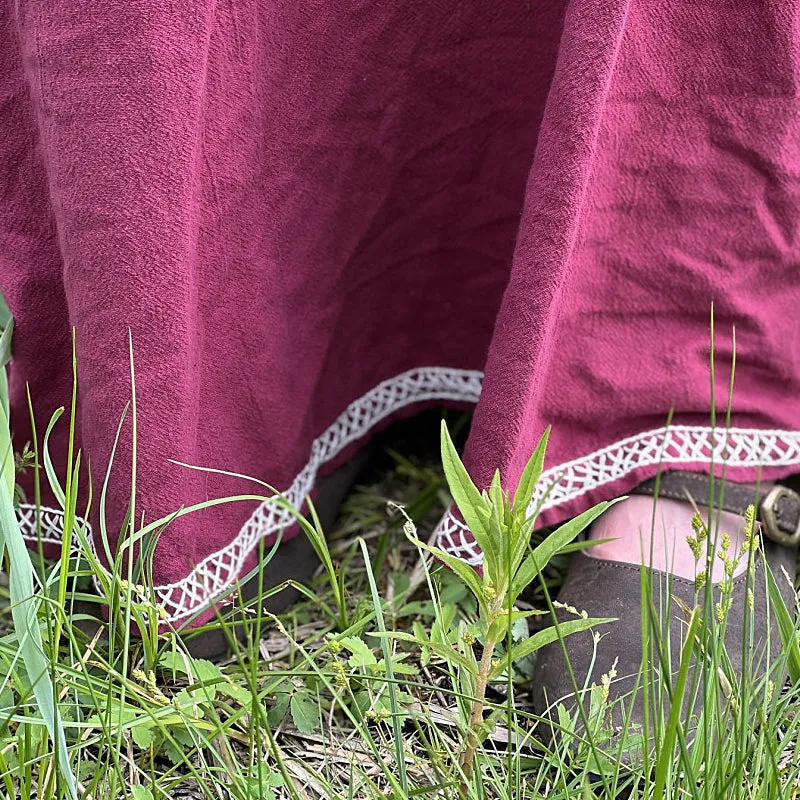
x,y
605,581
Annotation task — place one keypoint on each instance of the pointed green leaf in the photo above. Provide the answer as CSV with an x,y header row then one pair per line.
x,y
441,629
496,491
52,478
461,568
548,635
471,504
420,633
520,543
500,626
447,652
584,544
4,398
530,477
553,544
492,547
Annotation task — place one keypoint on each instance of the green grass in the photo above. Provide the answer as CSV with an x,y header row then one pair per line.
x,y
374,698
393,676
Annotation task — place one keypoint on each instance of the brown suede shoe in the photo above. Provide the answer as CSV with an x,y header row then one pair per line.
x,y
613,589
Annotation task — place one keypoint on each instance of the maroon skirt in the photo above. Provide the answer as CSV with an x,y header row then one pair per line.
x,y
314,217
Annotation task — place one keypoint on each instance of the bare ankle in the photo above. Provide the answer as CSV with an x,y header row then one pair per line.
x,y
655,533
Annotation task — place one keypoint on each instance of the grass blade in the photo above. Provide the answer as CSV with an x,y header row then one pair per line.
x,y
24,607
785,625
397,727
665,757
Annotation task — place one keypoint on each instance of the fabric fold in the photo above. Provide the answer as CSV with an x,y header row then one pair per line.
x,y
311,220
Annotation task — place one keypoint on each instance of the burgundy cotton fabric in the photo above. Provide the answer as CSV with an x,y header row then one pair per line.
x,y
315,217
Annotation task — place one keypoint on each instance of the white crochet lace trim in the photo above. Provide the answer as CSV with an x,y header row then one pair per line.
x,y
668,447
218,572
52,522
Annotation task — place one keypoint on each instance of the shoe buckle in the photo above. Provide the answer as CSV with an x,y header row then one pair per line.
x,y
770,509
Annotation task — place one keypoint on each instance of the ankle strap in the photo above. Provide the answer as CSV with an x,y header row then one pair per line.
x,y
778,508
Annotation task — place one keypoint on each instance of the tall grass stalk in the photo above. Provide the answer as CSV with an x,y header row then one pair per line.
x,y
24,600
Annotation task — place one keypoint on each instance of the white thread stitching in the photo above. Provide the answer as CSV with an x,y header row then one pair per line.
x,y
669,446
